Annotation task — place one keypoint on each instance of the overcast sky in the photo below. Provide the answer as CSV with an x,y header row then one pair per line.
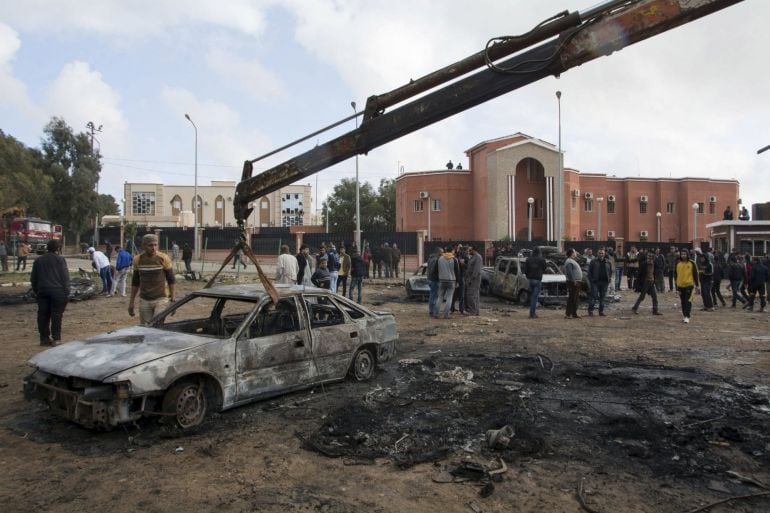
x,y
254,75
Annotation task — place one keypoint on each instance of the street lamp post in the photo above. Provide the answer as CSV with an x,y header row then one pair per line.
x,y
694,223
358,195
530,201
560,186
599,224
328,211
93,128
196,246
429,200
658,214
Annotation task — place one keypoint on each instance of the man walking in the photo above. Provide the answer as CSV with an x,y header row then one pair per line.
x,y
4,256
396,259
51,284
671,258
735,276
705,276
358,271
100,262
599,274
286,268
649,269
122,265
686,282
187,257
473,281
574,276
22,251
175,252
344,270
534,267
152,274
757,283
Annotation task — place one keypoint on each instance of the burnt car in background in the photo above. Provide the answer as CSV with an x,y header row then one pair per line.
x,y
215,349
507,280
417,286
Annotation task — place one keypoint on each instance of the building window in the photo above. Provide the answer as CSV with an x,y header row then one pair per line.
x,y
701,207
610,207
670,207
176,205
574,202
712,208
436,205
418,206
538,210
535,170
143,203
588,205
643,207
265,204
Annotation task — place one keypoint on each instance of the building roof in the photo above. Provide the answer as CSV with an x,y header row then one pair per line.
x,y
517,135
413,174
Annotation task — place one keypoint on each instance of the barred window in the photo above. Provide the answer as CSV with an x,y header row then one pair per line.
x,y
143,203
418,206
610,207
643,207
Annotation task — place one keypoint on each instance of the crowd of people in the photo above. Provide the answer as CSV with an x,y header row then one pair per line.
x,y
454,278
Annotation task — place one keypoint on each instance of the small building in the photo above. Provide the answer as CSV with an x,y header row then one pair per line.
x,y
155,204
752,237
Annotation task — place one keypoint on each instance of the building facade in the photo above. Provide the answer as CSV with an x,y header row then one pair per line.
x,y
155,204
490,201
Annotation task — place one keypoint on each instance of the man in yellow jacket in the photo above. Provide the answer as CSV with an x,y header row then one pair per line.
x,y
686,282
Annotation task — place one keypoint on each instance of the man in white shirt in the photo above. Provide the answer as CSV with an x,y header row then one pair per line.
x,y
287,267
100,262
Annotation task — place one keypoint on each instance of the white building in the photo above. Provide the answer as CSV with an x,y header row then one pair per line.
x,y
155,204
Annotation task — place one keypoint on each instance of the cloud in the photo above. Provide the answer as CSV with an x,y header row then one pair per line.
x,y
13,91
247,75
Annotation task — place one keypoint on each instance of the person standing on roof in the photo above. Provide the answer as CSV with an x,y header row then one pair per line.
x,y
153,280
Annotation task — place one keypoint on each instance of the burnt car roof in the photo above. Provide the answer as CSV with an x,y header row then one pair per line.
x,y
256,291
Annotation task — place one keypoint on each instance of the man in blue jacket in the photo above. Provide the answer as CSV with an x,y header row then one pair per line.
x,y
122,265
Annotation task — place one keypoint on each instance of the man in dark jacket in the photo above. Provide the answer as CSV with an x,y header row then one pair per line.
x,y
358,271
321,277
432,273
51,284
599,274
705,276
758,279
534,267
649,269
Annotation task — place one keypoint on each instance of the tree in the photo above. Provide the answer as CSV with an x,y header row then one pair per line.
x,y
378,209
22,180
386,196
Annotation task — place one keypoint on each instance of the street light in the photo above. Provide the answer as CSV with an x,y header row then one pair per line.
x,y
429,200
695,207
658,214
530,201
196,247
560,185
92,129
358,195
599,224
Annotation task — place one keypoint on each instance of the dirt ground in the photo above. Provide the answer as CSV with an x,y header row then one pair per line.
x,y
641,413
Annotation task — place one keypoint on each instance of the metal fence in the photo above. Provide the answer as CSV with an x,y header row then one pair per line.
x,y
406,241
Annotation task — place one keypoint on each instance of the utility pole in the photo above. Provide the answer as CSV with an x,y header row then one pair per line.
x,y
92,129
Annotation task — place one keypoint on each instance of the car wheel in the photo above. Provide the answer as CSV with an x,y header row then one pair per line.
x,y
363,365
185,403
524,297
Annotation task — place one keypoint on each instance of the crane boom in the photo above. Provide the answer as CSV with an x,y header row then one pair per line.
x,y
572,39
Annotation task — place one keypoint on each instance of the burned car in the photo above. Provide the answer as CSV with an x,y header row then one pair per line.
x,y
507,280
417,286
215,349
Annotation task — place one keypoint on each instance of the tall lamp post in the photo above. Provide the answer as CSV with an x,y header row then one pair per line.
x,y
694,223
599,224
358,194
530,201
658,214
92,129
429,209
560,186
196,246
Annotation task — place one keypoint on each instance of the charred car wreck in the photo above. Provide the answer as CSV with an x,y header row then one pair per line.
x,y
507,280
216,349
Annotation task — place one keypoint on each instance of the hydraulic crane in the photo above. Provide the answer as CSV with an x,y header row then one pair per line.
x,y
564,41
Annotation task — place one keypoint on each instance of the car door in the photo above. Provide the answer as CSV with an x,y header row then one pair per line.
x,y
273,352
334,336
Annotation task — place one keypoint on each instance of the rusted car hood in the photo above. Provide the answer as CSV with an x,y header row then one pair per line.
x,y
105,354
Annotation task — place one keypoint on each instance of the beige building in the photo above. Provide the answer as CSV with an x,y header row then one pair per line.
x,y
155,204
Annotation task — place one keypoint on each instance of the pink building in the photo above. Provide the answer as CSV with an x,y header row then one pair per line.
x,y
490,200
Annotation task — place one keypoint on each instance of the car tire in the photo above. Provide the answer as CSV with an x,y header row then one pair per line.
x,y
185,403
523,297
363,365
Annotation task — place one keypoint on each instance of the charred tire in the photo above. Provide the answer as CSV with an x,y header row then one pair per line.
x,y
186,404
363,365
524,297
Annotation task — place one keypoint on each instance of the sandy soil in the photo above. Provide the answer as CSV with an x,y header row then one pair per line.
x,y
649,414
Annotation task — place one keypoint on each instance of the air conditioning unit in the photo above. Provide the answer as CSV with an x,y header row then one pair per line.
x,y
590,233
575,193
589,195
644,199
644,234
713,199
424,195
611,234
611,198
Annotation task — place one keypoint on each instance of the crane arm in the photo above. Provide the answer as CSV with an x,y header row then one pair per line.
x,y
575,38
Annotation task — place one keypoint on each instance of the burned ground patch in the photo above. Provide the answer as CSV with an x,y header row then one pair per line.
x,y
676,422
